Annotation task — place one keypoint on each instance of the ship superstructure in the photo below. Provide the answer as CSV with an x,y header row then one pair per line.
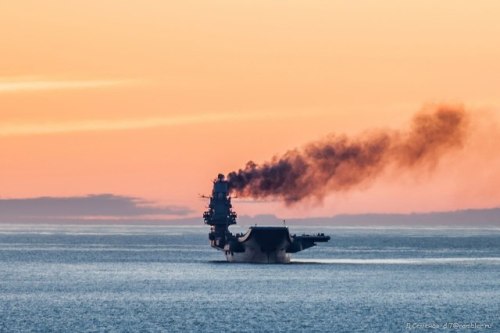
x,y
259,244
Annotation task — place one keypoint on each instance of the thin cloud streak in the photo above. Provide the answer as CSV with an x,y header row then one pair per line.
x,y
32,85
131,124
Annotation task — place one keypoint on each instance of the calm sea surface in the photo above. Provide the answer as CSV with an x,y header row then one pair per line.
x,y
168,279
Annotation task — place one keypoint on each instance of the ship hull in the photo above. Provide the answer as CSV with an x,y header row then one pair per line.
x,y
266,245
254,254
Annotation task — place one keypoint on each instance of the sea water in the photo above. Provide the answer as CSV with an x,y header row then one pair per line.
x,y
68,278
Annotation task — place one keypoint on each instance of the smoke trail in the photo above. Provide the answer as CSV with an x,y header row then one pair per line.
x,y
340,163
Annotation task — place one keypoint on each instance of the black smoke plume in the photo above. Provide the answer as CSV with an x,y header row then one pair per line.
x,y
340,163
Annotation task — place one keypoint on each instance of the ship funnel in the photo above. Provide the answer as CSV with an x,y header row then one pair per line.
x,y
219,209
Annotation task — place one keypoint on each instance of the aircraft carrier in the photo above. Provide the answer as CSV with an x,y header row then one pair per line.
x,y
259,244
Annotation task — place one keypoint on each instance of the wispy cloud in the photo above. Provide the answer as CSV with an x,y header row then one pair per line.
x,y
107,206
20,84
16,129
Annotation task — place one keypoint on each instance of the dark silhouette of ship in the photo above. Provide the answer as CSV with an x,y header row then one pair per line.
x,y
259,244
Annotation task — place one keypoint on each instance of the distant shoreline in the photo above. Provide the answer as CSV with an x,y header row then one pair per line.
x,y
460,218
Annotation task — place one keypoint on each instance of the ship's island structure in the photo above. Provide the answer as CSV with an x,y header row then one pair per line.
x,y
260,244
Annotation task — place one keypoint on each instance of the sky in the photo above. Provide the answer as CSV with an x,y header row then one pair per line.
x,y
149,101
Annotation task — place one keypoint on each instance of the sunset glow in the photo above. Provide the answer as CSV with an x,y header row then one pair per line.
x,y
153,100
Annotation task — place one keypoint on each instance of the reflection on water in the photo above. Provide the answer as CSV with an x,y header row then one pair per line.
x,y
160,278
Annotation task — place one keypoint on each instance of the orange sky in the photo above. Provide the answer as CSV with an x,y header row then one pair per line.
x,y
153,99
